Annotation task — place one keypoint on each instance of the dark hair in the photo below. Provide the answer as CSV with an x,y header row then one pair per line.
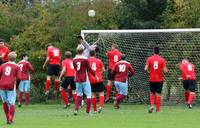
x,y
1,40
23,55
156,50
47,45
97,49
92,53
123,57
68,54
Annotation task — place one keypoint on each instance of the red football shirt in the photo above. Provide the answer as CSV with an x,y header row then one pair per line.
x,y
9,72
121,71
25,67
113,57
68,64
97,66
6,51
54,55
81,66
187,69
156,64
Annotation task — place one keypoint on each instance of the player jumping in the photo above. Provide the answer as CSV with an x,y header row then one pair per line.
x,y
69,72
113,57
9,72
53,57
156,65
122,71
24,85
189,81
97,86
81,65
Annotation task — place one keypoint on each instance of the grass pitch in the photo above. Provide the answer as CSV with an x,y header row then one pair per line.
x,y
129,116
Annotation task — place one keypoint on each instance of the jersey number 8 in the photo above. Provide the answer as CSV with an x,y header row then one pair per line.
x,y
155,65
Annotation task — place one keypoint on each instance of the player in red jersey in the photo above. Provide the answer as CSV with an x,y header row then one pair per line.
x,y
81,65
113,57
54,58
9,72
122,71
24,85
97,86
3,52
156,65
69,72
189,81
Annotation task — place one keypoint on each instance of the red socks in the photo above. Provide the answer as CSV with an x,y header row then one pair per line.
x,y
6,110
47,86
108,89
64,96
27,98
88,105
158,102
20,97
152,99
56,85
116,93
74,98
186,96
191,97
11,112
120,98
94,104
101,101
78,102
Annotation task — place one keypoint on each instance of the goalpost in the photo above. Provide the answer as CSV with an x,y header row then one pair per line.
x,y
175,45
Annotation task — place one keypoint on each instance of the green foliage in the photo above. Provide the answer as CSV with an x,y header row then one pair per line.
x,y
29,28
140,13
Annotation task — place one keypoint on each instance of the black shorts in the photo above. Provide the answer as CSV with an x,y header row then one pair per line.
x,y
2,62
98,87
156,87
53,69
189,85
69,81
110,76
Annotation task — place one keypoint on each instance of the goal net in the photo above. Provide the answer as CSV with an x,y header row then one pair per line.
x,y
175,45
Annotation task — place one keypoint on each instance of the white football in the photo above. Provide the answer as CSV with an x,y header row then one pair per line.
x,y
91,13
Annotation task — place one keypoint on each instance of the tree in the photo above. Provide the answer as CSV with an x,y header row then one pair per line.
x,y
140,13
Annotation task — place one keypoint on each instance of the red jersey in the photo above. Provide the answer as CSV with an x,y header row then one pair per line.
x,y
25,67
188,71
68,64
81,65
121,71
54,55
113,57
97,66
9,72
5,50
156,64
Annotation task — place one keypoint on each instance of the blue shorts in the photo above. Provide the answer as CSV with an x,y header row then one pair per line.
x,y
122,88
24,86
85,88
8,96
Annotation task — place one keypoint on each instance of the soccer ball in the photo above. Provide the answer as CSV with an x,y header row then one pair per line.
x,y
91,13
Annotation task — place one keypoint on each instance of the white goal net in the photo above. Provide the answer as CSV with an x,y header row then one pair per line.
x,y
175,44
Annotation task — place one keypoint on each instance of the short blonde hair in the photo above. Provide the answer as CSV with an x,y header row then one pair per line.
x,y
79,49
12,56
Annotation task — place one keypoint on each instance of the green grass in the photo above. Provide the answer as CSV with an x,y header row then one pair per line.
x,y
129,116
